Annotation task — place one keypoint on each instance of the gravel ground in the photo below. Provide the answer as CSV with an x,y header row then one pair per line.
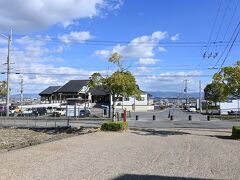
x,y
15,138
136,154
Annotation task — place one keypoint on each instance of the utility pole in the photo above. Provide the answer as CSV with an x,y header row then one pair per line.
x,y
8,74
9,38
21,92
185,91
200,96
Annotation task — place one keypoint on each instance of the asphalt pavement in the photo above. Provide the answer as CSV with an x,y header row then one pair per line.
x,y
162,120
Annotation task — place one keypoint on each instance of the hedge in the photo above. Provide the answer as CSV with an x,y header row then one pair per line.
x,y
114,126
236,132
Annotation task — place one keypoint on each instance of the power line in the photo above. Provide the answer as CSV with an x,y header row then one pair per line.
x,y
214,24
231,19
229,49
86,75
231,40
228,26
114,42
221,23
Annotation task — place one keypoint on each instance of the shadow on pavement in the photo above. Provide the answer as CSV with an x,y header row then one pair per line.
x,y
151,177
57,130
222,137
163,133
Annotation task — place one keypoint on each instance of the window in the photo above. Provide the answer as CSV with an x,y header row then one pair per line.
x,y
126,99
142,99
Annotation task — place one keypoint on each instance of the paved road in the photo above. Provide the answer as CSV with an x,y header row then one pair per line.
x,y
145,154
145,120
180,120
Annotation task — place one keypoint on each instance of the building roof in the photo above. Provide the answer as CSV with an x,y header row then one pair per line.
x,y
100,91
49,90
73,86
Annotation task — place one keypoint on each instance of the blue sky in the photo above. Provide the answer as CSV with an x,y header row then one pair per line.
x,y
56,41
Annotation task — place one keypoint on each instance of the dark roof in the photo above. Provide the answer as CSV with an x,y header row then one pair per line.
x,y
49,90
100,90
73,86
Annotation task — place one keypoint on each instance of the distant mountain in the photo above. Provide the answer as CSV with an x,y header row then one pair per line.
x,y
25,95
173,94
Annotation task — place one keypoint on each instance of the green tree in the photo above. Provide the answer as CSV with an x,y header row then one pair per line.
x,y
215,92
229,77
120,84
3,88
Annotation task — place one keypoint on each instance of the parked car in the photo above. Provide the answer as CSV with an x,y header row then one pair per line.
x,y
3,110
50,110
39,111
192,109
59,112
27,112
84,113
233,112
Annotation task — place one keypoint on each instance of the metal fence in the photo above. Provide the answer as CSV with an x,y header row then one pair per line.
x,y
33,122
59,112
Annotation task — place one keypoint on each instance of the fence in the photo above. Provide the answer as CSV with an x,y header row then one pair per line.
x,y
33,122
226,114
59,112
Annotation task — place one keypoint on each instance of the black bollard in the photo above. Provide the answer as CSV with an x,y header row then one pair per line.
x,y
154,117
121,115
208,118
136,117
171,117
189,117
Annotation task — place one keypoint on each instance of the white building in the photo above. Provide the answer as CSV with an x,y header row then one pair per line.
x,y
132,104
233,105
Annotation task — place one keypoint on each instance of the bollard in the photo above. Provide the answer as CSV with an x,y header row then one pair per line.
x,y
171,117
68,124
189,117
154,117
122,114
208,118
136,117
125,115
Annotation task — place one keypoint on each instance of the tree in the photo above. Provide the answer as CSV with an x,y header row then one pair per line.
x,y
215,92
3,88
120,84
229,77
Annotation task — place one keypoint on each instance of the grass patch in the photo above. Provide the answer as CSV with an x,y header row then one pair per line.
x,y
114,126
236,132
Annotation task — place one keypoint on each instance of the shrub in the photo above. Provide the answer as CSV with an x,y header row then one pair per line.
x,y
236,132
114,126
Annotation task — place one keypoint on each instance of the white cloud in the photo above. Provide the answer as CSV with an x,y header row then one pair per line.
x,y
27,16
142,69
162,49
76,37
175,37
169,81
104,53
59,49
141,47
147,61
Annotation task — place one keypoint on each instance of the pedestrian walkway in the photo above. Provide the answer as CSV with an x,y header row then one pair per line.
x,y
172,153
